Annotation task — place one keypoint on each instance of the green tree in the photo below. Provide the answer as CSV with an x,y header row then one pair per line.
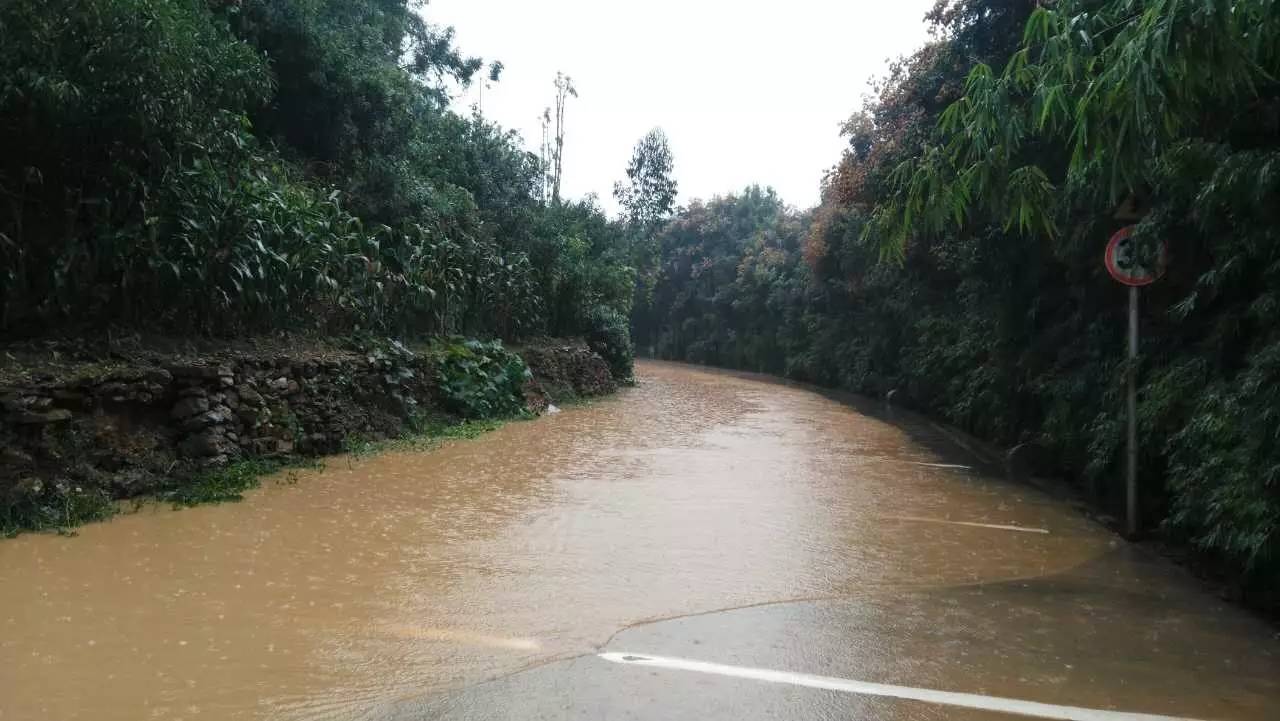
x,y
647,198
649,193
565,89
1088,109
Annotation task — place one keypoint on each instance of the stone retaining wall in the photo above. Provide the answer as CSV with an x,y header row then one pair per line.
x,y
132,428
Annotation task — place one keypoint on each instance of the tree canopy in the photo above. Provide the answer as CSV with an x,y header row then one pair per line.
x,y
649,193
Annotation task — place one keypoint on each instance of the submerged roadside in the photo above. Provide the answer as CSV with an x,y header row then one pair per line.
x,y
1026,464
85,425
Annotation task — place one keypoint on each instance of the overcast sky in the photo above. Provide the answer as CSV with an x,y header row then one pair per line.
x,y
747,91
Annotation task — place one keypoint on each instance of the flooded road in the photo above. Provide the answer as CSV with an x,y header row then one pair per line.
x,y
702,516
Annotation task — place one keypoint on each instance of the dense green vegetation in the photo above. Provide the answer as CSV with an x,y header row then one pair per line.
x,y
216,485
239,166
956,255
56,509
481,380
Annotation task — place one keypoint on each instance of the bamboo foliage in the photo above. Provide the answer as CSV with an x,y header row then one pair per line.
x,y
1086,107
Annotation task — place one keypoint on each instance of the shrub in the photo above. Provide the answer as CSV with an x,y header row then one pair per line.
x,y
609,334
481,379
1225,468
99,101
54,506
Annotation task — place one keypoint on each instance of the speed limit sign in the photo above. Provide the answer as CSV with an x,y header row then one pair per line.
x,y
1134,264
1131,264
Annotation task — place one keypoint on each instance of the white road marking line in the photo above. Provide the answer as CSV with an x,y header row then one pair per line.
x,y
941,465
996,526
946,698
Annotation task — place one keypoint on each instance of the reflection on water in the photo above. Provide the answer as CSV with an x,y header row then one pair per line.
x,y
406,574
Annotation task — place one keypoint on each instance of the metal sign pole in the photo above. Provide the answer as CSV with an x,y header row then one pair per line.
x,y
1130,264
1131,476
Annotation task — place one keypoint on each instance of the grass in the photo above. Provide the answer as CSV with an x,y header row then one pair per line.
x,y
427,434
576,401
55,510
228,484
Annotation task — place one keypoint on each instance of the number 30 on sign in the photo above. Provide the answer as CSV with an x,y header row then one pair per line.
x,y
1129,264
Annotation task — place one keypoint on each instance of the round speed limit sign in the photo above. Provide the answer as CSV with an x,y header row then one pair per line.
x,y
1129,264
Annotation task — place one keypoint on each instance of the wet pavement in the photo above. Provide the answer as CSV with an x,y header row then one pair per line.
x,y
707,545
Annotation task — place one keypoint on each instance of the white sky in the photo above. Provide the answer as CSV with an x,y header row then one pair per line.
x,y
747,91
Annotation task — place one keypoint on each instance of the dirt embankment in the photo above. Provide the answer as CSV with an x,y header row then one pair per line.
x,y
107,422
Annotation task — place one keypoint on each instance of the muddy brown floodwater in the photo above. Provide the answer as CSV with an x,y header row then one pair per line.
x,y
391,580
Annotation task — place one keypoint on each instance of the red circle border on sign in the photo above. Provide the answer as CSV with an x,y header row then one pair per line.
x,y
1119,275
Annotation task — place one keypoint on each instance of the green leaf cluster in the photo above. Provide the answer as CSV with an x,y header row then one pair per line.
x,y
481,380
609,334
